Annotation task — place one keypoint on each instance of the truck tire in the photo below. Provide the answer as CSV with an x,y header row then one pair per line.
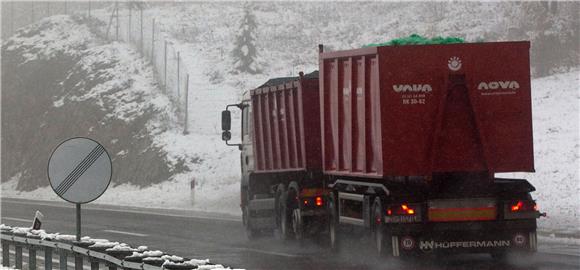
x,y
333,225
284,228
251,233
295,212
281,189
378,229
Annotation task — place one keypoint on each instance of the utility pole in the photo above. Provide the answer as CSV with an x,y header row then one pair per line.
x,y
117,17
165,67
129,31
32,11
65,8
185,132
141,24
153,41
12,18
178,76
89,8
110,22
48,8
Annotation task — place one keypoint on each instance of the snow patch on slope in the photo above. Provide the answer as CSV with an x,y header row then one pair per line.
x,y
51,36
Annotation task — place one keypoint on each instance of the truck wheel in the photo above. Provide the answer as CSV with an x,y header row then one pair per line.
x,y
284,217
279,191
251,233
378,227
294,213
297,225
333,223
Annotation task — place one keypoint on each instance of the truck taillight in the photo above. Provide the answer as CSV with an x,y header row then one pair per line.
x,y
318,201
403,209
522,206
521,209
403,213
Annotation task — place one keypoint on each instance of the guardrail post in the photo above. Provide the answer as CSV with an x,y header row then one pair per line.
x,y
94,265
31,258
18,249
47,258
62,263
78,262
6,251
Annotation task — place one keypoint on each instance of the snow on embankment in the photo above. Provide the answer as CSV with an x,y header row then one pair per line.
x,y
557,151
61,81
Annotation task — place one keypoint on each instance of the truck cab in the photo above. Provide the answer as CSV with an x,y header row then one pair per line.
x,y
245,145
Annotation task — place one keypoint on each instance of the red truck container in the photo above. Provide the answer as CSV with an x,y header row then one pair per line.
x,y
395,140
286,125
415,110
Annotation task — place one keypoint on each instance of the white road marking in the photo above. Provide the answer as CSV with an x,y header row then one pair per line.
x,y
127,233
104,208
17,219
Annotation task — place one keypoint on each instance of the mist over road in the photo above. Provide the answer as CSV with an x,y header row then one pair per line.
x,y
221,239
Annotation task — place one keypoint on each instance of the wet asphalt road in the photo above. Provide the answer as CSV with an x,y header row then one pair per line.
x,y
221,239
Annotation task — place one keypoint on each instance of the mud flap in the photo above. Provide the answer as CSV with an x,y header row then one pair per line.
x,y
262,214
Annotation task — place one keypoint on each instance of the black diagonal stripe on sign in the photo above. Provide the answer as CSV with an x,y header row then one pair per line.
x,y
80,173
72,175
80,170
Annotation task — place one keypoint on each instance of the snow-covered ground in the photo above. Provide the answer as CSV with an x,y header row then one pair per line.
x,y
288,35
556,122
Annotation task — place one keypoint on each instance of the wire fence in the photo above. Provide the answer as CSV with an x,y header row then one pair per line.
x,y
125,22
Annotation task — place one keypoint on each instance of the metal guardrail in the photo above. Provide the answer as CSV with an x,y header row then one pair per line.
x,y
64,250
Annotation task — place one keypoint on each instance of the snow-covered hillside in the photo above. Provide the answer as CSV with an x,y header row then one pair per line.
x,y
105,91
288,35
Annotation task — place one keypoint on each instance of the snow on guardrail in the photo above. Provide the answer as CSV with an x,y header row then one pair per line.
x,y
97,251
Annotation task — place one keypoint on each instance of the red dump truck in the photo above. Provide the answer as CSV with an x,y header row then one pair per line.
x,y
402,141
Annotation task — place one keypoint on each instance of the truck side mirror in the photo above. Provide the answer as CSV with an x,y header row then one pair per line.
x,y
226,135
226,121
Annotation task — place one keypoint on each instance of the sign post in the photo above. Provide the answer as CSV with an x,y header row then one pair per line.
x,y
78,222
79,171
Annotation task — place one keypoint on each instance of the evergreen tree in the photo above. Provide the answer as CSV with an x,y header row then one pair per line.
x,y
245,54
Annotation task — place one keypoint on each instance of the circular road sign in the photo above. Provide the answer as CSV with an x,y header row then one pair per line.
x,y
79,170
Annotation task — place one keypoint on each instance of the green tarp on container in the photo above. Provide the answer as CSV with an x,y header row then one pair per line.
x,y
415,39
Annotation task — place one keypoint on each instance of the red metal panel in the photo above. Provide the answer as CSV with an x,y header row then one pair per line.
x,y
284,129
376,166
359,146
334,113
259,133
276,130
298,112
268,142
346,119
427,108
312,138
290,138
